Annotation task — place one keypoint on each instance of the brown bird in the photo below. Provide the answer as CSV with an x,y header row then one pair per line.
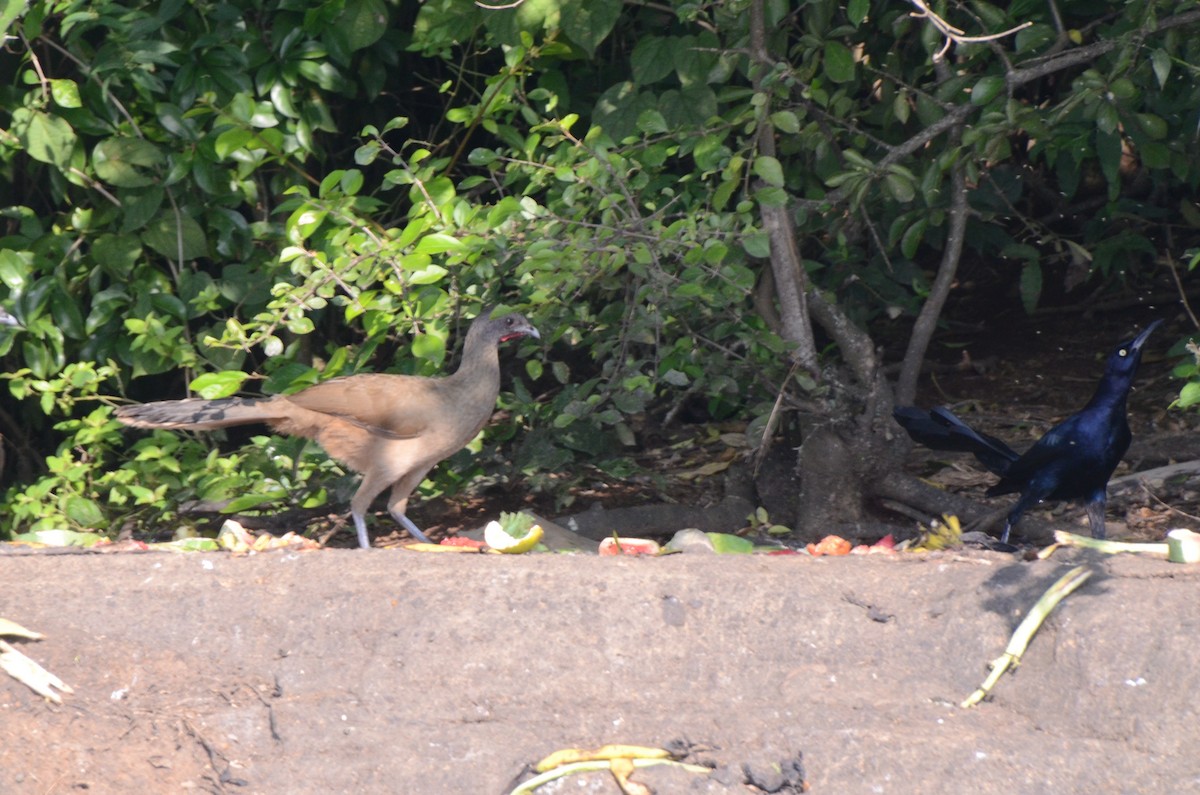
x,y
391,428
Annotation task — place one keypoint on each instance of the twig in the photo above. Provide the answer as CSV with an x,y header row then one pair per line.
x,y
764,442
1165,504
1183,299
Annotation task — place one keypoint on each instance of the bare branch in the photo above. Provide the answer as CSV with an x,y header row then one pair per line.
x,y
954,35
918,343
791,280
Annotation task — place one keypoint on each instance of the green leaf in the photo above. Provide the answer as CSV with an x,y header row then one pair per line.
x,y
757,245
85,513
248,501
839,62
652,122
231,141
912,237
986,89
171,232
857,10
124,162
653,59
899,187
438,243
11,11
1153,126
430,274
48,139
1161,62
769,170
589,23
786,122
65,93
771,197
430,347
562,371
212,386
363,22
1123,88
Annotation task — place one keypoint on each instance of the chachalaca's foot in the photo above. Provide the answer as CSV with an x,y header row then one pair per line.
x,y
412,529
360,524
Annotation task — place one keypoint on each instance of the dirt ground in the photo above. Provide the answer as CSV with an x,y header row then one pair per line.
x,y
388,671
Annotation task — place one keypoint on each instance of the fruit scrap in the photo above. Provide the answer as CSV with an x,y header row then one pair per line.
x,y
240,541
501,540
617,545
462,541
884,546
829,545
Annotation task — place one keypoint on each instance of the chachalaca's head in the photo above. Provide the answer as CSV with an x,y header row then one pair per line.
x,y
1125,359
502,328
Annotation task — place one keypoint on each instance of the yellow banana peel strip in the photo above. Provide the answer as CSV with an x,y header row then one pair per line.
x,y
421,546
527,787
1024,633
569,756
15,630
29,673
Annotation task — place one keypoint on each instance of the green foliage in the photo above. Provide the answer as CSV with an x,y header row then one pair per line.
x,y
1189,394
224,192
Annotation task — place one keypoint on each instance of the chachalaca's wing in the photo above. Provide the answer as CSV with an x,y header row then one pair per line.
x,y
395,406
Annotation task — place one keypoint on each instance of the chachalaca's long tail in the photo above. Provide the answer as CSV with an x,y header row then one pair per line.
x,y
199,414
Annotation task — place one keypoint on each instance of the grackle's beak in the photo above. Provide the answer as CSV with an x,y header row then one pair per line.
x,y
1140,339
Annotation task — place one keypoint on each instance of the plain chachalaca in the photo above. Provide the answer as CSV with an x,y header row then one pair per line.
x,y
391,428
1073,461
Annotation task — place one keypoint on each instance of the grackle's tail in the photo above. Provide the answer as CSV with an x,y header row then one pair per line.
x,y
939,429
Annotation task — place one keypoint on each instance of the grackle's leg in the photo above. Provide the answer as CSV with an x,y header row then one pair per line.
x,y
1095,514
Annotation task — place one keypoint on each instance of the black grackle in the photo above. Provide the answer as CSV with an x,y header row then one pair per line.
x,y
1073,461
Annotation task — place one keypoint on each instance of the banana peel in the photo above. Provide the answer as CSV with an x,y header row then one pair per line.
x,y
26,670
569,756
619,759
421,546
942,535
1021,637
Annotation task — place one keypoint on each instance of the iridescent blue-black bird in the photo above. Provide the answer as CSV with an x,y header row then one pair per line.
x,y
1073,461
